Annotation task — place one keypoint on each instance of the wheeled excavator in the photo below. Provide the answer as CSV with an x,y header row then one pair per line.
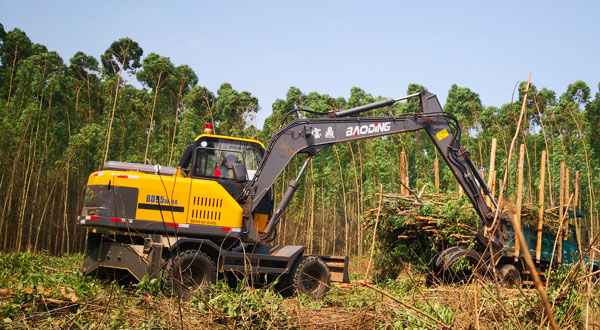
x,y
214,214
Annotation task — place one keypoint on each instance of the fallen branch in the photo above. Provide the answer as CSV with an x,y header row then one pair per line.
x,y
440,323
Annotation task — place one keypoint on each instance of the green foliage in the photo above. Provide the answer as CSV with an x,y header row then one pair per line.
x,y
244,306
156,71
402,239
148,285
54,120
592,116
43,291
569,301
122,55
464,104
29,278
566,297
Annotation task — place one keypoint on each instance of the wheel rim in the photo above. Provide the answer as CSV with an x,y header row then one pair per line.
x,y
193,276
468,258
311,280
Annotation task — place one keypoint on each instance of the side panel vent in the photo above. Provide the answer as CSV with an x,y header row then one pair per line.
x,y
206,210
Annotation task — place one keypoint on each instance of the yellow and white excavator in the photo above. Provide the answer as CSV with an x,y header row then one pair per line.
x,y
213,214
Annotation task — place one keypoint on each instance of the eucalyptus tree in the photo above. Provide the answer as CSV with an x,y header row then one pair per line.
x,y
184,79
123,55
197,109
573,104
16,46
156,72
280,108
37,82
233,109
592,116
467,107
83,69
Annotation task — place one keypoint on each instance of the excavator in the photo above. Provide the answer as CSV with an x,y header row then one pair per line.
x,y
213,216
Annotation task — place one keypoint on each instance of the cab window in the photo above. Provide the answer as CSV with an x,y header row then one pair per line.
x,y
215,157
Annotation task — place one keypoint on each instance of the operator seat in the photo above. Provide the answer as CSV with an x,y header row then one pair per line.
x,y
227,167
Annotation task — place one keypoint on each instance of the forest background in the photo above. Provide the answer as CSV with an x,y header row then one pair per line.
x,y
61,120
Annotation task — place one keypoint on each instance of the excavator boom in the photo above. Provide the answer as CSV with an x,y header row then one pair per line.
x,y
311,135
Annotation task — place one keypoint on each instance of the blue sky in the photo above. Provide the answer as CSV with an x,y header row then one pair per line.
x,y
265,47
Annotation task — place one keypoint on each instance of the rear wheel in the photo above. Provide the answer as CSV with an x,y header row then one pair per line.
x,y
190,270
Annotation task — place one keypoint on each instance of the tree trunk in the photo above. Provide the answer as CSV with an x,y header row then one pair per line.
x,y
39,165
323,217
151,127
27,178
179,102
12,73
65,215
358,211
112,115
312,209
89,99
9,196
344,199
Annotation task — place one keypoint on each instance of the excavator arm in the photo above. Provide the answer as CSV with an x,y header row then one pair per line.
x,y
311,135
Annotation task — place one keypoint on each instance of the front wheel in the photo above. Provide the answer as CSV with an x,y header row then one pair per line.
x,y
311,277
190,270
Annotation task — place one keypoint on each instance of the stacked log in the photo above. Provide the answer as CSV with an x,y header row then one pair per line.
x,y
415,229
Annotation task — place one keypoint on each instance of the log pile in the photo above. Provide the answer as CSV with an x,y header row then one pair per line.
x,y
530,216
441,219
415,229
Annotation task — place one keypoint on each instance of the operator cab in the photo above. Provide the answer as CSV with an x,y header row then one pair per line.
x,y
216,156
227,160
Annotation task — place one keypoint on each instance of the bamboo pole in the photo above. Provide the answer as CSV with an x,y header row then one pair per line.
x,y
346,227
311,231
374,234
402,161
575,207
550,194
557,242
512,145
500,183
519,198
568,206
323,214
576,198
561,210
436,172
492,170
493,189
540,225
536,278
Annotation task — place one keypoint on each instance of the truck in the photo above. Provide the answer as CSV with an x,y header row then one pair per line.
x,y
213,216
504,261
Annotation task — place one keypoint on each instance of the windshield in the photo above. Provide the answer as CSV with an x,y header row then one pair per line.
x,y
215,157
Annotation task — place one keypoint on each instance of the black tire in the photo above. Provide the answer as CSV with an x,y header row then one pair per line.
x,y
456,265
311,277
188,271
509,276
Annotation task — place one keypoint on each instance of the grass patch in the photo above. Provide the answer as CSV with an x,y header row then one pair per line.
x,y
47,292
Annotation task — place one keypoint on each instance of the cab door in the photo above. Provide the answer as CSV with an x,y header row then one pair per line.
x,y
211,201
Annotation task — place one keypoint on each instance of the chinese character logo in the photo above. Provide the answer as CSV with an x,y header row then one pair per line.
x,y
329,133
316,132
